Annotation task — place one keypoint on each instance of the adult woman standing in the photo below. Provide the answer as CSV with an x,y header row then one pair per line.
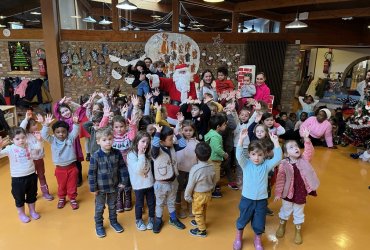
x,y
262,90
206,85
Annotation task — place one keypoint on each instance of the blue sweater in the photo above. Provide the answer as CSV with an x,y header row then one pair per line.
x,y
255,177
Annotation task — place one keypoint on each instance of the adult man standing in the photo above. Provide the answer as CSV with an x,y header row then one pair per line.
x,y
362,86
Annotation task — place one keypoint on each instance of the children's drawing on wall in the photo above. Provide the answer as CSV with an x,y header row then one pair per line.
x,y
173,49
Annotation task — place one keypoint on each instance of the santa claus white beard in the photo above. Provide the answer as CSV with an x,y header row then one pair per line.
x,y
182,82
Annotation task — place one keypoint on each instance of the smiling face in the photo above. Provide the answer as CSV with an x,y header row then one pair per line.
x,y
207,78
292,150
260,79
20,140
61,133
256,156
65,112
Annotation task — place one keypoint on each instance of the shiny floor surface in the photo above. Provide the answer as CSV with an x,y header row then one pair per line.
x,y
338,218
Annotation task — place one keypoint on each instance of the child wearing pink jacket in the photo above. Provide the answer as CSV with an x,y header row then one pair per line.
x,y
295,180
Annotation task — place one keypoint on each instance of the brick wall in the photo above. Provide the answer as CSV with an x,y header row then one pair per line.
x,y
291,76
5,70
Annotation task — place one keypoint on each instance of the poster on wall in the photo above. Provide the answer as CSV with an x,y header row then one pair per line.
x,y
173,49
20,56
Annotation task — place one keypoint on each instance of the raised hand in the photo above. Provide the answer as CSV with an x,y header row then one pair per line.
x,y
275,139
231,106
180,117
62,100
157,106
48,119
124,109
257,106
75,119
40,118
157,127
148,96
213,84
258,117
4,142
135,100
243,134
28,115
305,133
106,111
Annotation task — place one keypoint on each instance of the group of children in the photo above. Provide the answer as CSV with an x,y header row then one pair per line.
x,y
130,150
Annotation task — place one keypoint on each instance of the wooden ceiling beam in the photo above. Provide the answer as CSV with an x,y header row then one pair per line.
x,y
273,4
160,7
265,14
332,14
225,6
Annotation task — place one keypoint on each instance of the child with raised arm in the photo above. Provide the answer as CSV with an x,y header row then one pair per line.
x,y
165,173
202,180
295,180
63,156
253,203
107,172
36,147
22,171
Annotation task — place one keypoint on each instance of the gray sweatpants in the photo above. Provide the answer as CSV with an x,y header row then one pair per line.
x,y
165,193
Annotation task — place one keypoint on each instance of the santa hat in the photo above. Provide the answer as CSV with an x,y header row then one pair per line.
x,y
181,66
328,113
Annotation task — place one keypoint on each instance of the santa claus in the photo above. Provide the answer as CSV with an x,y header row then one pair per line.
x,y
180,88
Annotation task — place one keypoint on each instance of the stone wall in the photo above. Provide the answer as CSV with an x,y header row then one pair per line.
x,y
291,77
79,84
5,70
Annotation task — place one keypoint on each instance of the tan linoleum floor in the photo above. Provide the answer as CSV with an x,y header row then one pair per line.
x,y
338,218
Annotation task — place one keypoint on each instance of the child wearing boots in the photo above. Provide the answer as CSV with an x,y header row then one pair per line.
x,y
253,203
295,180
107,172
36,147
165,173
202,179
22,171
122,138
63,156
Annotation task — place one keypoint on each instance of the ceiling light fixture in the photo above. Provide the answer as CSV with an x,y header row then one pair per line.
x,y
14,22
296,24
104,21
137,29
2,26
347,18
35,13
2,17
181,29
225,20
124,29
181,25
368,26
213,1
155,16
126,5
228,28
89,19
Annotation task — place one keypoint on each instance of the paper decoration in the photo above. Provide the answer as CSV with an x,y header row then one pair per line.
x,y
173,49
20,56
246,69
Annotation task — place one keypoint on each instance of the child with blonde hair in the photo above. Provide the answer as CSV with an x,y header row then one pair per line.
x,y
295,180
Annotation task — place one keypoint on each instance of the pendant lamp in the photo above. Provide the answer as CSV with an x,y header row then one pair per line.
x,y
296,24
126,5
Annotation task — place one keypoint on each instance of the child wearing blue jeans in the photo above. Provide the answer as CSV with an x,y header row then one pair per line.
x,y
253,204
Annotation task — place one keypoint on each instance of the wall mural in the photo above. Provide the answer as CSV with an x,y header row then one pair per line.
x,y
20,56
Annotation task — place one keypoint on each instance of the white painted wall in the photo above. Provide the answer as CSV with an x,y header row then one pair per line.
x,y
342,58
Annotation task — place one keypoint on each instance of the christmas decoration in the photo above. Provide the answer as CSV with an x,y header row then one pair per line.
x,y
20,56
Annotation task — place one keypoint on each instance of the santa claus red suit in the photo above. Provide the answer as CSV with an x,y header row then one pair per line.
x,y
180,88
